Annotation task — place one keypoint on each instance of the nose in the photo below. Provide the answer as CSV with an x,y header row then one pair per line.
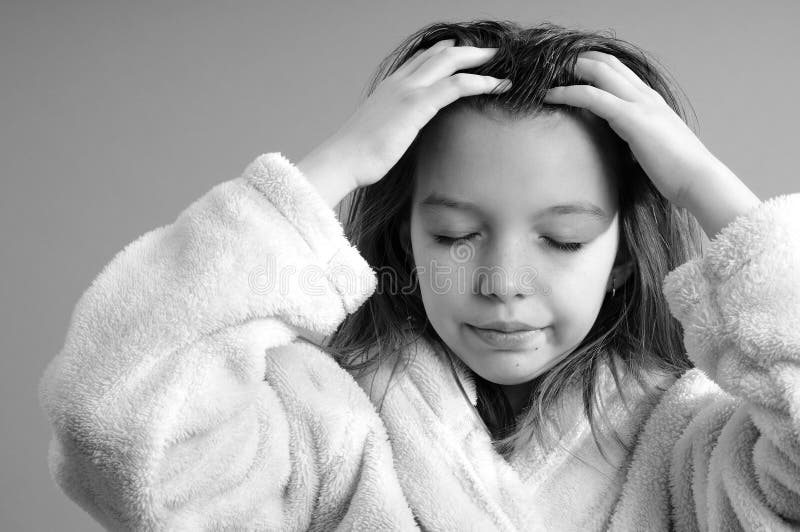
x,y
508,272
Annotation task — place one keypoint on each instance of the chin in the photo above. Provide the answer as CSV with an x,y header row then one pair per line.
x,y
510,381
509,376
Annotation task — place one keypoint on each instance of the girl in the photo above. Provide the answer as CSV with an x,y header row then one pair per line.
x,y
520,330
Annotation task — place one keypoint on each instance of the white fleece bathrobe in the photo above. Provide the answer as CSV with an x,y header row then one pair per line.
x,y
185,399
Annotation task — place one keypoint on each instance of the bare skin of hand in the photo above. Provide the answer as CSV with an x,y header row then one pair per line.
x,y
377,135
675,160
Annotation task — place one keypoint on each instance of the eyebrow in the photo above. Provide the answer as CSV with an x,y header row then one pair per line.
x,y
585,208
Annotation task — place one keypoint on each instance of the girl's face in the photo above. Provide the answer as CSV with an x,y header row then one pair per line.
x,y
497,184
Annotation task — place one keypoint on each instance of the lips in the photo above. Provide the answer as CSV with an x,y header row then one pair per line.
x,y
521,339
507,326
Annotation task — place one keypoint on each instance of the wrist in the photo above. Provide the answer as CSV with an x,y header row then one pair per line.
x,y
326,173
718,197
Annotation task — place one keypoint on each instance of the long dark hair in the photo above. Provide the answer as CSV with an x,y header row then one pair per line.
x,y
633,330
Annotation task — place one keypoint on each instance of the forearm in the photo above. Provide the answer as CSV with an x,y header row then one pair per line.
x,y
738,307
323,170
160,385
717,197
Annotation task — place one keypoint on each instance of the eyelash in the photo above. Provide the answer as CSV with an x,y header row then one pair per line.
x,y
569,247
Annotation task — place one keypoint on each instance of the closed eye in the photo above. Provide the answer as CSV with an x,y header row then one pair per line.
x,y
449,240
570,247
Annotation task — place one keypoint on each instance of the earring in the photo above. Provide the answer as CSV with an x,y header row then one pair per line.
x,y
410,323
613,288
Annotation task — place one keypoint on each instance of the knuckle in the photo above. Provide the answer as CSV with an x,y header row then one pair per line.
x,y
601,67
414,98
461,80
450,52
651,114
655,95
423,108
615,60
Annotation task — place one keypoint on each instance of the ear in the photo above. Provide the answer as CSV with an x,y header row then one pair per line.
x,y
622,269
619,274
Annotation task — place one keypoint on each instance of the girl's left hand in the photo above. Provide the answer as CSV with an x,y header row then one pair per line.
x,y
667,150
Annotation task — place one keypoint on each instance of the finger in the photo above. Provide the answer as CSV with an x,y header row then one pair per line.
x,y
603,76
447,90
419,57
615,63
449,60
602,103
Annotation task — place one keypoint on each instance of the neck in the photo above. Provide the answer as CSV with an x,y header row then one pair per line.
x,y
518,395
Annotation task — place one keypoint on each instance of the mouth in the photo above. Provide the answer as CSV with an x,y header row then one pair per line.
x,y
507,326
508,340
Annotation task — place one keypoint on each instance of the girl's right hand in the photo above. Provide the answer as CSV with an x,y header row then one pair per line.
x,y
374,138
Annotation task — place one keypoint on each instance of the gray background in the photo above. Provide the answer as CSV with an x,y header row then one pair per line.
x,y
116,115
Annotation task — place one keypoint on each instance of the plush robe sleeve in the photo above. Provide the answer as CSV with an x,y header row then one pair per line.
x,y
737,463
184,398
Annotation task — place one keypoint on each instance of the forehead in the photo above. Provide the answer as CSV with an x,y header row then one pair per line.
x,y
515,167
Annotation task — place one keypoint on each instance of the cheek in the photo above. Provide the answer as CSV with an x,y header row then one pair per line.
x,y
442,282
444,287
578,290
585,277
577,296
